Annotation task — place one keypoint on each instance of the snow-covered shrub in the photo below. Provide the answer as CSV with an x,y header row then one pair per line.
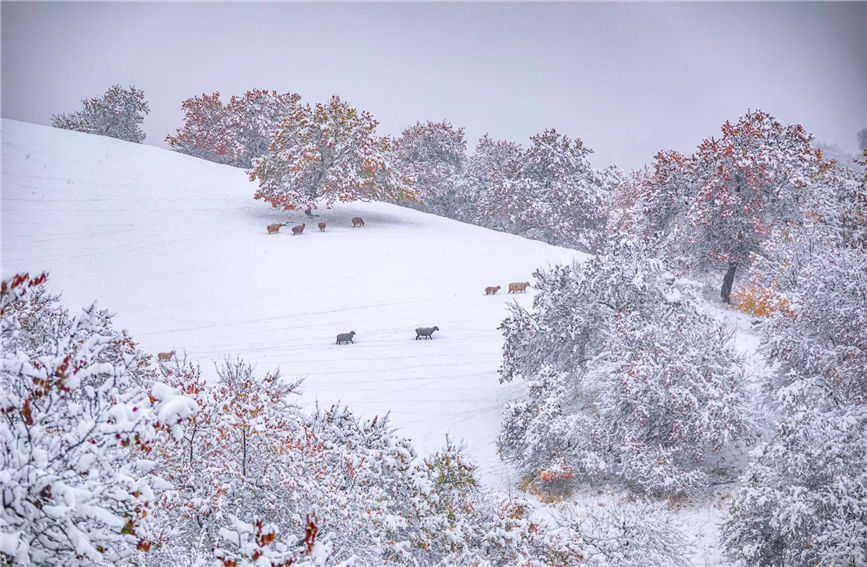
x,y
258,545
803,498
626,378
249,453
625,534
78,401
461,525
118,113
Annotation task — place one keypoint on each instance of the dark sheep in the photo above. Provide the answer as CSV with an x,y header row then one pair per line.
x,y
357,221
343,338
298,229
425,332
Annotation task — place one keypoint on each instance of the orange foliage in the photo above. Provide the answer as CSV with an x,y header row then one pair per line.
x,y
760,301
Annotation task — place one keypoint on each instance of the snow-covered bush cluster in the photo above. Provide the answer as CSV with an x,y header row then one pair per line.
x,y
77,398
118,113
627,379
250,456
623,534
803,499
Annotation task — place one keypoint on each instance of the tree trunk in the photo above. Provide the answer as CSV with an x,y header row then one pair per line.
x,y
244,456
729,278
309,212
192,437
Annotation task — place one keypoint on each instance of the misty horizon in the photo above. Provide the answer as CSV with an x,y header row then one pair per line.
x,y
629,80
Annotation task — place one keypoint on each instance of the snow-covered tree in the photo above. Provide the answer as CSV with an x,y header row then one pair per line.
x,y
234,133
204,134
626,378
561,192
491,178
715,207
77,400
327,153
433,155
548,191
118,113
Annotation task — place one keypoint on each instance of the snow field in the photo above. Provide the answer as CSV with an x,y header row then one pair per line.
x,y
178,249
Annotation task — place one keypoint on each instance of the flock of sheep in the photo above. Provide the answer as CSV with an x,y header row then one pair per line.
x,y
427,332
346,338
299,228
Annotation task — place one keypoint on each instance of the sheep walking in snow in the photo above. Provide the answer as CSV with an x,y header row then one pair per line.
x,y
272,228
426,332
515,287
298,229
321,227
491,290
344,338
161,356
357,221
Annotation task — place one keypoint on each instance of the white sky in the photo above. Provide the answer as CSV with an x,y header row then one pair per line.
x,y
629,79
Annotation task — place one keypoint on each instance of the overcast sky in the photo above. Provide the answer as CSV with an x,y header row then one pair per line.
x,y
629,79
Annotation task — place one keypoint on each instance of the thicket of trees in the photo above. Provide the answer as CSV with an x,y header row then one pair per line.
x,y
307,156
118,113
627,379
803,498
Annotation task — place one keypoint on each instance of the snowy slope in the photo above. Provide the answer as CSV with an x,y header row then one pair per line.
x,y
177,248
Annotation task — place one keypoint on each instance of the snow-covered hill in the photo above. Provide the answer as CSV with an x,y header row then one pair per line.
x,y
177,248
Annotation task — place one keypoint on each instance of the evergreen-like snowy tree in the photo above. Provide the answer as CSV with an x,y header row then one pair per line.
x,y
118,113
491,178
626,378
78,401
433,155
327,153
561,192
548,192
